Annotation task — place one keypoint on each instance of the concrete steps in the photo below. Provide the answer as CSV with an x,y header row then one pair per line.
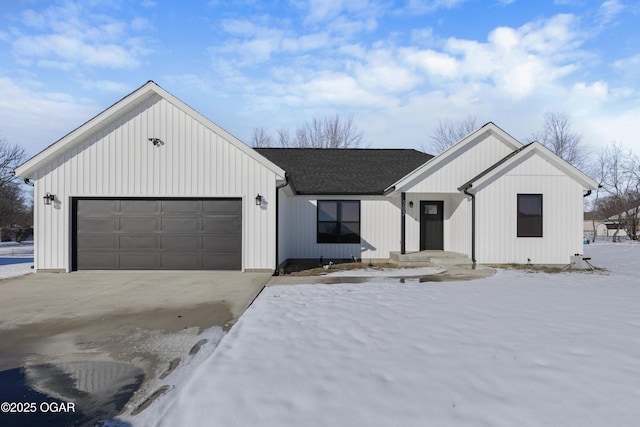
x,y
429,258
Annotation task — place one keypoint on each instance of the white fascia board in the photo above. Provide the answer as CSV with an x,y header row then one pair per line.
x,y
451,152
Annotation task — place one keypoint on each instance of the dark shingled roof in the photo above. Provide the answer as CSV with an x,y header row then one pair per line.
x,y
344,171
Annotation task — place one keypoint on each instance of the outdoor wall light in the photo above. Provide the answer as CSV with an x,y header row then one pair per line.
x,y
156,141
258,200
411,203
48,198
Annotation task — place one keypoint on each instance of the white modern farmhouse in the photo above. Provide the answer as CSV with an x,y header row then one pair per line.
x,y
150,183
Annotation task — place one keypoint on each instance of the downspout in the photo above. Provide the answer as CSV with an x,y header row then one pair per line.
x,y
276,272
465,190
403,209
28,182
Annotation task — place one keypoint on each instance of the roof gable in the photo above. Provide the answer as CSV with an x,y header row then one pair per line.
x,y
101,120
453,153
534,148
344,171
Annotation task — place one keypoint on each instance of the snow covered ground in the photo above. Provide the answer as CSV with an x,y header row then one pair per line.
x,y
515,349
16,259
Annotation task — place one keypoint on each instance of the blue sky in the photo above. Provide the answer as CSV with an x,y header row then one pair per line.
x,y
395,67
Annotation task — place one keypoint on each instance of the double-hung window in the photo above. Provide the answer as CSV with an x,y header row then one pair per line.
x,y
338,221
529,215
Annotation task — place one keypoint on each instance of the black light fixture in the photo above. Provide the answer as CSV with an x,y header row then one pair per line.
x,y
411,203
156,141
258,200
48,198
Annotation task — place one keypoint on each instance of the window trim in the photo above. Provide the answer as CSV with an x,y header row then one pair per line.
x,y
339,220
519,216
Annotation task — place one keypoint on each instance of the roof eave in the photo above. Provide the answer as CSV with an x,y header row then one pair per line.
x,y
338,193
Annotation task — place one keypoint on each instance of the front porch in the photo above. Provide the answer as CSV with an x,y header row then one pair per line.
x,y
434,225
429,258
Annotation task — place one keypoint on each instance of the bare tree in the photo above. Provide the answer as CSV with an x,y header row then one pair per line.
x,y
328,132
450,131
13,206
11,156
284,137
558,137
261,138
622,187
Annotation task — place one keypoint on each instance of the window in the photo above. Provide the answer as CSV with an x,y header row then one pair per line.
x,y
338,221
529,215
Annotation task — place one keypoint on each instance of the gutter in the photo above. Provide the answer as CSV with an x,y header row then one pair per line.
x,y
403,214
465,190
276,272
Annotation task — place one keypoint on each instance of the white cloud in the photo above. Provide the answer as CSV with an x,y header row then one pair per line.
x,y
629,70
609,11
107,86
306,43
597,90
22,107
432,62
339,89
429,6
71,35
382,73
327,10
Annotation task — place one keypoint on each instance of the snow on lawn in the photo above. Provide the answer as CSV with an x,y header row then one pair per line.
x,y
515,349
16,259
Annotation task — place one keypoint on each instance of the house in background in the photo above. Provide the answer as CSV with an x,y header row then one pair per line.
x,y
594,225
151,184
607,227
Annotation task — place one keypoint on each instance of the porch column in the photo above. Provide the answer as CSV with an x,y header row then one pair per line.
x,y
403,209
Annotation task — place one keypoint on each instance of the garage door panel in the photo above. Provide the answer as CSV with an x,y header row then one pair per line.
x,y
181,234
180,224
182,207
181,243
232,207
221,224
221,243
138,224
222,261
96,224
98,206
138,261
97,260
138,206
90,241
140,241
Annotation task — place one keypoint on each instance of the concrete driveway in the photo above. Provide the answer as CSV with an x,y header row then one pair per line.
x,y
139,322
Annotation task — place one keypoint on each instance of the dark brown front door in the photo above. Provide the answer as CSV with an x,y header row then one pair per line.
x,y
431,225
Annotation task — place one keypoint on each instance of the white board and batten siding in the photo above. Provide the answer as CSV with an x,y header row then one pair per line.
x,y
496,216
460,166
379,229
119,161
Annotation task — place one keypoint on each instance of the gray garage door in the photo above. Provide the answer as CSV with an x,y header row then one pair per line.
x,y
158,234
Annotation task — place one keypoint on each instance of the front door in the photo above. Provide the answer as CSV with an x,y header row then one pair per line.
x,y
431,225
